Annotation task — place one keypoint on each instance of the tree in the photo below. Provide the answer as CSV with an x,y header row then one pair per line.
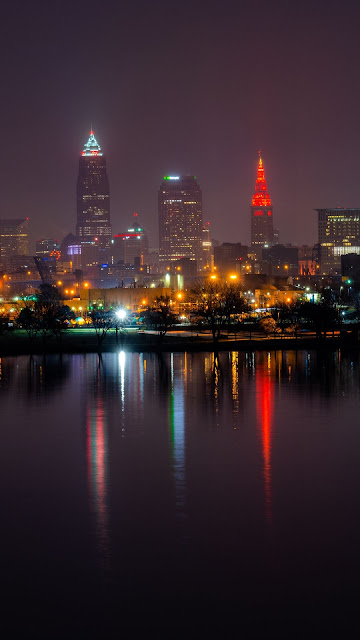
x,y
216,302
321,315
267,325
286,316
28,320
51,315
102,320
160,316
46,315
62,321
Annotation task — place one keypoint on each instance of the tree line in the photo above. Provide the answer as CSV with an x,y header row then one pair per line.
x,y
215,306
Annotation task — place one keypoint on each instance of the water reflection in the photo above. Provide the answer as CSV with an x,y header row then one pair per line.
x,y
264,415
97,454
177,429
97,459
139,454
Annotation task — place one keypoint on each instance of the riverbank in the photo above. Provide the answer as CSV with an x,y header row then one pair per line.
x,y
86,341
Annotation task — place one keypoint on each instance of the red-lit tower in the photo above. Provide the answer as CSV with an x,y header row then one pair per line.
x,y
93,197
262,231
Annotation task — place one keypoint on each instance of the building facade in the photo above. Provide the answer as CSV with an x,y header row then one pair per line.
x,y
229,257
131,247
180,220
207,255
13,238
93,196
262,230
47,248
280,260
339,234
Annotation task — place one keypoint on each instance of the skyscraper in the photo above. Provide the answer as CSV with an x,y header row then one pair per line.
x,y
93,198
262,232
180,219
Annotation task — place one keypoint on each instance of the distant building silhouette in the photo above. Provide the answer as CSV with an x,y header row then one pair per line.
x,y
262,231
207,255
339,234
280,260
229,256
350,267
13,238
132,245
47,247
180,220
93,197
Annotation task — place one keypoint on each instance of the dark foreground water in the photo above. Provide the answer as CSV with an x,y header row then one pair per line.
x,y
155,494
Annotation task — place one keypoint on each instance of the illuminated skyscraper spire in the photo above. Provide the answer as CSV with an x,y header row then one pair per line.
x,y
262,232
92,147
261,197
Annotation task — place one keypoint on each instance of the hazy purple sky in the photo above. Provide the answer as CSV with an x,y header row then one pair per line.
x,y
181,87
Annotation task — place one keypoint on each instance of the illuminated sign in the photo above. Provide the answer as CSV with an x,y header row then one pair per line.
x,y
171,177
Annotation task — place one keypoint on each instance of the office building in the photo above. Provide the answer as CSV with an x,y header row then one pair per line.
x,y
93,196
262,231
180,220
339,234
308,260
131,247
280,260
229,257
47,248
207,256
13,238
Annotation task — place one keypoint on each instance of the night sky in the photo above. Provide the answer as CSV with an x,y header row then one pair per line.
x,y
181,87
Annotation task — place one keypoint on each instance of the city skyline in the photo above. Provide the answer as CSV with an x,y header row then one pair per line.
x,y
162,103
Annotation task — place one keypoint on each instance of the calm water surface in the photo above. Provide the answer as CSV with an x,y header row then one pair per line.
x,y
138,486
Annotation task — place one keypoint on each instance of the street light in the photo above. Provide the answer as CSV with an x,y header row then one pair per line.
x,y
121,314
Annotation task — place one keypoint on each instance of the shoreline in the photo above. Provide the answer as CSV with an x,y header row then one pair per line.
x,y
15,344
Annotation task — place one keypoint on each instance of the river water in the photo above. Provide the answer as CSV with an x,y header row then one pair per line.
x,y
138,489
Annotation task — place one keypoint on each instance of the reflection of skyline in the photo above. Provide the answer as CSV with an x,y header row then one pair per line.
x,y
307,371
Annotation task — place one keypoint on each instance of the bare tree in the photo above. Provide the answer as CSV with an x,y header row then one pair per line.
x,y
160,316
216,302
102,321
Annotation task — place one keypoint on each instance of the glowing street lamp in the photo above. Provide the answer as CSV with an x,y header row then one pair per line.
x,y
121,314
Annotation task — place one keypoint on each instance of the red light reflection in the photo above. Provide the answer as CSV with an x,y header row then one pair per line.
x,y
264,412
97,473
